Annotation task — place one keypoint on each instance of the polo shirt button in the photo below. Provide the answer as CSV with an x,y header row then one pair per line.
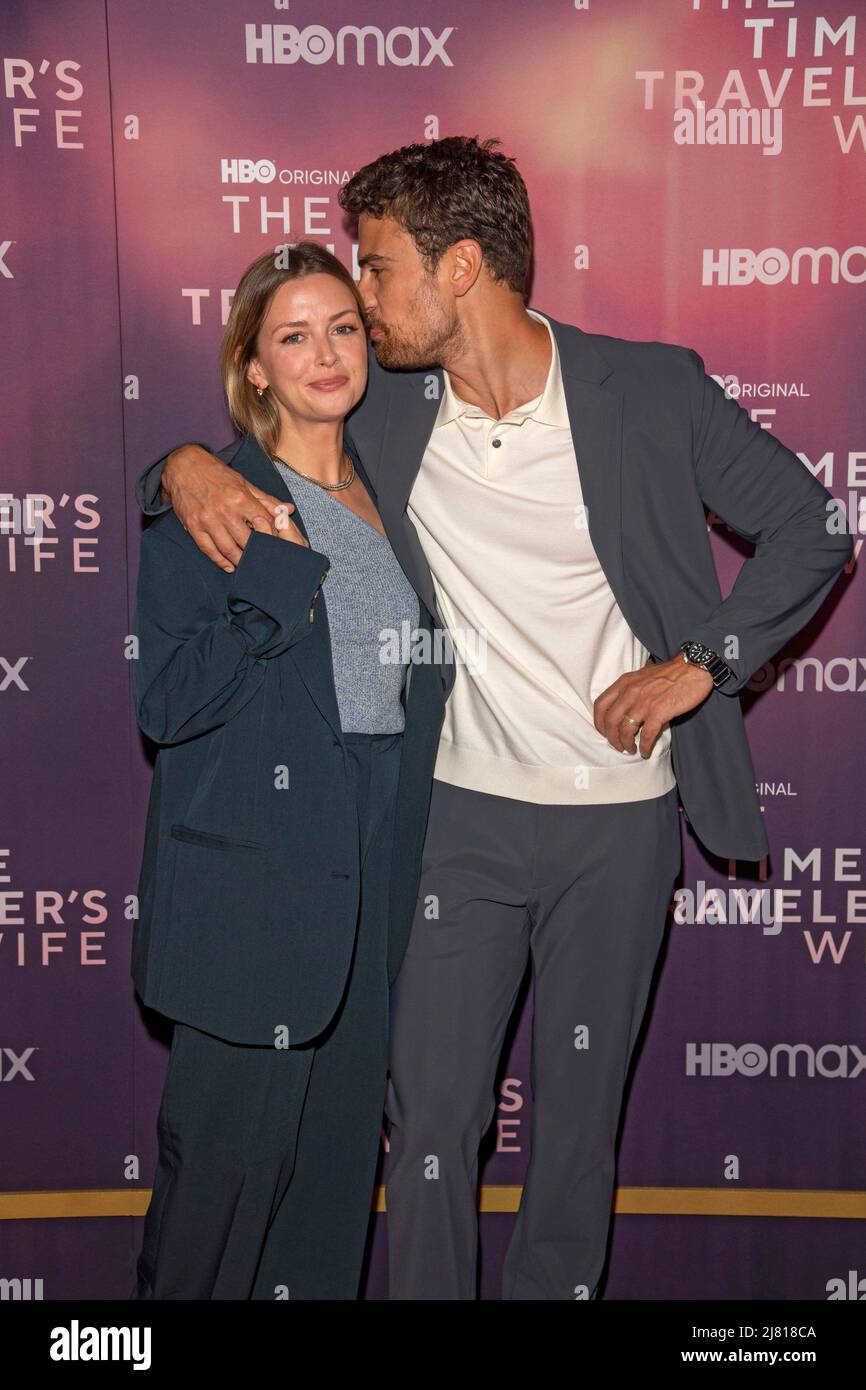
x,y
496,443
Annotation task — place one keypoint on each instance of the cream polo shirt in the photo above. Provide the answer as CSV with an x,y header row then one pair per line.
x,y
536,630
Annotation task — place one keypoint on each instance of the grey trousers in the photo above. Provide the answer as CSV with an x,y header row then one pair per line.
x,y
267,1157
582,891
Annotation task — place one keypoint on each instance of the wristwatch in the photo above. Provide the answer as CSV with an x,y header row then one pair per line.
x,y
699,655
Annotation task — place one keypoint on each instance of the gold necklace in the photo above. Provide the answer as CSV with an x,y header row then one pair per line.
x,y
329,487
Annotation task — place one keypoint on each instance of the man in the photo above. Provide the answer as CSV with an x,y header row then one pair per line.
x,y
543,489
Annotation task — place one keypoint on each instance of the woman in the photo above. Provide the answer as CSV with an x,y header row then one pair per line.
x,y
285,824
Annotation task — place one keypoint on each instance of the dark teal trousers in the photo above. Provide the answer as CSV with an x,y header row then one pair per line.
x,y
267,1156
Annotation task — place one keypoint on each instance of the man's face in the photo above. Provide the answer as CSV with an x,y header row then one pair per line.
x,y
413,320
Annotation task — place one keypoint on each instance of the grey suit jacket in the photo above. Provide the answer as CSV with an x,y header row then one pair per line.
x,y
655,439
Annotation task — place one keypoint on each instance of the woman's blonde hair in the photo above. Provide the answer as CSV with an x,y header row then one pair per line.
x,y
251,413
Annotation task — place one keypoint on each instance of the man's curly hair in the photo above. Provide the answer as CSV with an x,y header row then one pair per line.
x,y
448,189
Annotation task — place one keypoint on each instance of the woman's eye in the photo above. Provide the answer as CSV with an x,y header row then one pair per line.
x,y
349,327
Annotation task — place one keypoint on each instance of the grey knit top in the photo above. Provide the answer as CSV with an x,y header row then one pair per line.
x,y
367,597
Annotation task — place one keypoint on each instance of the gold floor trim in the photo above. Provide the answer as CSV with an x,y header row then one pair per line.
x,y
633,1201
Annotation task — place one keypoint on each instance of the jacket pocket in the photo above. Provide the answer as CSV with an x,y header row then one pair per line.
x,y
205,837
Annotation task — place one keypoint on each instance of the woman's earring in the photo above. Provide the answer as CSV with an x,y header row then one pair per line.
x,y
259,389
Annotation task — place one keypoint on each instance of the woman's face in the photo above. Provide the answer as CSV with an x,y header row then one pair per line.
x,y
312,349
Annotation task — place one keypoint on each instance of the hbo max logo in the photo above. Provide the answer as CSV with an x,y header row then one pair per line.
x,y
738,265
401,46
788,1059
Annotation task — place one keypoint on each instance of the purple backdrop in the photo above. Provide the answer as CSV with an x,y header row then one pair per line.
x,y
149,153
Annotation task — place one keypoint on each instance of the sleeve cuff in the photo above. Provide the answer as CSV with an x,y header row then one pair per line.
x,y
271,593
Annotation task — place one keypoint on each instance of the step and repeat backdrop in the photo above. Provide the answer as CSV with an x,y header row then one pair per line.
x,y
696,171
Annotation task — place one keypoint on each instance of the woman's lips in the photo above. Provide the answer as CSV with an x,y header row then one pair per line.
x,y
332,384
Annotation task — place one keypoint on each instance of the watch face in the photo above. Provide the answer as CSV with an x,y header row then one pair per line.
x,y
699,655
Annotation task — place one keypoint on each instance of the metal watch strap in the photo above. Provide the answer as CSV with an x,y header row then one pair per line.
x,y
699,655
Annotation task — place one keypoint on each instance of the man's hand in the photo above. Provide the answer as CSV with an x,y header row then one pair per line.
x,y
651,696
219,508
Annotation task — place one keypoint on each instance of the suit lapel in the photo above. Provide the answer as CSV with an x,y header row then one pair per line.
x,y
595,415
412,410
317,675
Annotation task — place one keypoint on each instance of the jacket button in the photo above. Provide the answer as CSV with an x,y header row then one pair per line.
x,y
312,615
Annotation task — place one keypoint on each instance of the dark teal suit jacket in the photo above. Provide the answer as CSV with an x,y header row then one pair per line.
x,y
248,894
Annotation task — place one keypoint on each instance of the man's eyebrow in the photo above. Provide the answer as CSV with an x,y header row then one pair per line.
x,y
302,323
372,256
